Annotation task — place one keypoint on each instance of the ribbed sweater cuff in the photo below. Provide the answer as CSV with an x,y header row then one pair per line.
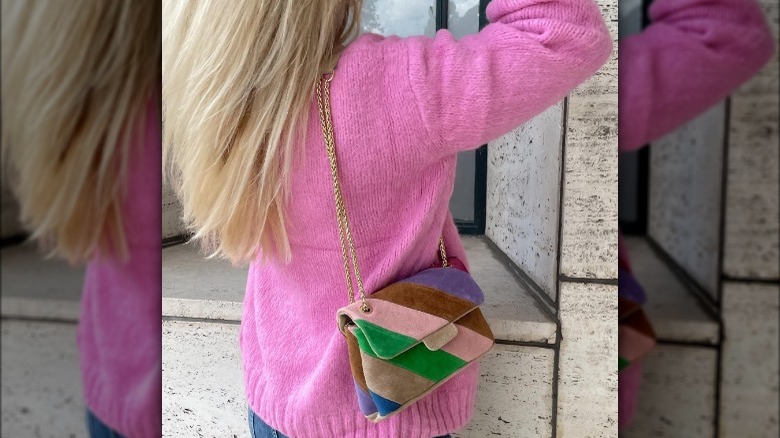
x,y
431,416
114,415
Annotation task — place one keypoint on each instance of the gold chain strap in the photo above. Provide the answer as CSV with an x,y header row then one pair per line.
x,y
345,233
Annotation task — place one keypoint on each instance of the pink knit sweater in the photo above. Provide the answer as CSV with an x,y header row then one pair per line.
x,y
402,109
120,327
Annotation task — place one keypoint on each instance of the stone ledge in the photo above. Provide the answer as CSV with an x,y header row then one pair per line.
x,y
194,287
41,309
675,313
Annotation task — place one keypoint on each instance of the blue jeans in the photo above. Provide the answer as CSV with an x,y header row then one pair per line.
x,y
261,430
98,429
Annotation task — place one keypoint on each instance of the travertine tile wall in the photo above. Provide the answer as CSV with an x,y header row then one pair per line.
x,y
589,233
749,360
677,397
752,234
172,225
41,385
523,195
515,396
685,185
587,369
204,392
587,364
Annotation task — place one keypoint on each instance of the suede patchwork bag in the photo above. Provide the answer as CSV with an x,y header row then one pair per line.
x,y
410,337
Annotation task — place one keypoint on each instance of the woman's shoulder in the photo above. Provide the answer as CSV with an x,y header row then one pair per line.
x,y
373,57
370,44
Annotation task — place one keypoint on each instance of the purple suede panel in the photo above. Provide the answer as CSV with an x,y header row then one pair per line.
x,y
366,403
450,280
629,288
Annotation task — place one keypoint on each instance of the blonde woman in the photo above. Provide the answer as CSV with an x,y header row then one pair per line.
x,y
81,150
242,133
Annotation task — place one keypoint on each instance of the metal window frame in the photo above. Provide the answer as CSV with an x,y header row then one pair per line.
x,y
476,226
638,227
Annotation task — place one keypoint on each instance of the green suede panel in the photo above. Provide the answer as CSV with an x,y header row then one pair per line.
x,y
433,365
384,343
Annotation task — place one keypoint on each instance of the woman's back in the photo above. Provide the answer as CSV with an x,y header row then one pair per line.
x,y
402,109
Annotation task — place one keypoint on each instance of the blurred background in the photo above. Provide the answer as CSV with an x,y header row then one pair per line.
x,y
699,212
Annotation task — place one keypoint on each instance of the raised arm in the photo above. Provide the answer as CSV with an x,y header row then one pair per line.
x,y
692,55
473,90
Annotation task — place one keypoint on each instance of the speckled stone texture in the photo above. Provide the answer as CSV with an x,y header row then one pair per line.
x,y
677,394
171,214
41,381
515,394
685,195
523,195
676,314
203,392
590,208
587,368
749,381
752,238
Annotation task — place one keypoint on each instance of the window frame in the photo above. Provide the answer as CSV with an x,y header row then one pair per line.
x,y
477,225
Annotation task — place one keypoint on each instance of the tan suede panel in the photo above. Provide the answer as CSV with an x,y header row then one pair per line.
x,y
392,382
355,360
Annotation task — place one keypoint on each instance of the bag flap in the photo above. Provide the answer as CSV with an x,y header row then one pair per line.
x,y
420,309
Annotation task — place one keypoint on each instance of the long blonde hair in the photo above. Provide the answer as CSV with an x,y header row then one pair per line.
x,y
76,79
238,78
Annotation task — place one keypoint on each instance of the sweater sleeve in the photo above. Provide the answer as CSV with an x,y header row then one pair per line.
x,y
692,55
533,52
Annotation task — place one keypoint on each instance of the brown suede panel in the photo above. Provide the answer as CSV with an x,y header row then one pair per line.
x,y
393,382
476,321
425,299
355,360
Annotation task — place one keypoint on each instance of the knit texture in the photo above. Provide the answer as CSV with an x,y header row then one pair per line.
x,y
402,110
119,333
693,55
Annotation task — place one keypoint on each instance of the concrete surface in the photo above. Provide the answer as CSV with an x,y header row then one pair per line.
x,y
590,181
41,381
685,185
515,394
676,315
752,236
523,195
204,396
171,214
677,396
198,288
749,364
24,273
203,384
587,367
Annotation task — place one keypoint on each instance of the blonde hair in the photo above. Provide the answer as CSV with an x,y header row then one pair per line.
x,y
238,78
76,79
